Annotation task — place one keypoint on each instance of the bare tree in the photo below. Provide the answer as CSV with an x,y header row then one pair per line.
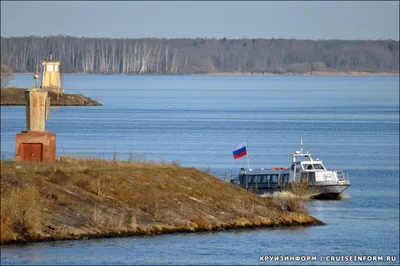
x,y
6,75
152,55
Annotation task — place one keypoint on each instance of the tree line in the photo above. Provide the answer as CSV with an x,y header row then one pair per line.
x,y
6,75
198,56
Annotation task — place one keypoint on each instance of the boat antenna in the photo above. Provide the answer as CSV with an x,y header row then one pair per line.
x,y
301,145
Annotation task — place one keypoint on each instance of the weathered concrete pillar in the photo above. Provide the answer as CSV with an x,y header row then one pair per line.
x,y
36,108
36,143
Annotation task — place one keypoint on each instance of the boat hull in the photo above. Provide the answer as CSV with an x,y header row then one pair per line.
x,y
328,191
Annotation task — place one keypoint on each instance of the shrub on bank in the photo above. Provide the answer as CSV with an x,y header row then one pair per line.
x,y
21,213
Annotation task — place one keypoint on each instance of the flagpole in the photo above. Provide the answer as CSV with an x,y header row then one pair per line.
x,y
247,156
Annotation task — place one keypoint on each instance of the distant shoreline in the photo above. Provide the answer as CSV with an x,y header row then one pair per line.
x,y
312,73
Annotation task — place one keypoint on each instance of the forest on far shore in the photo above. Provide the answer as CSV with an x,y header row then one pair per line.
x,y
199,56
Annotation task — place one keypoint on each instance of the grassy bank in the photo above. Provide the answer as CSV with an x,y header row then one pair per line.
x,y
16,96
90,198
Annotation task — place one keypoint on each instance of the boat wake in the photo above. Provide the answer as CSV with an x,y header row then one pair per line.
x,y
344,196
285,194
288,194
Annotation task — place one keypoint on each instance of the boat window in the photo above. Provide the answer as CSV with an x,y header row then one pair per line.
x,y
274,178
285,178
308,166
265,179
259,179
318,166
247,179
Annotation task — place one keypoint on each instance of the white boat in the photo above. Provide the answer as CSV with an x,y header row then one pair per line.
x,y
319,181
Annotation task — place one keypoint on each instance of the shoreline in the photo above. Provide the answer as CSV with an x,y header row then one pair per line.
x,y
316,73
16,97
311,73
152,231
76,199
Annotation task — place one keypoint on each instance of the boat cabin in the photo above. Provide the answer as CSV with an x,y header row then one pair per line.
x,y
305,169
263,180
308,166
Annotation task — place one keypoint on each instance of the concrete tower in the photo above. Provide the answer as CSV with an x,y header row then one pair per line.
x,y
35,143
51,78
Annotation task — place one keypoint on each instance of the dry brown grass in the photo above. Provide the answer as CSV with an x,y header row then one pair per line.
x,y
200,222
302,190
21,213
296,205
91,197
12,96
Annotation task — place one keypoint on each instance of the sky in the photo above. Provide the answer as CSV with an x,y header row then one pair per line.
x,y
346,20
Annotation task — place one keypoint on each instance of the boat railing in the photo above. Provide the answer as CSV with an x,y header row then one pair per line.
x,y
343,177
227,175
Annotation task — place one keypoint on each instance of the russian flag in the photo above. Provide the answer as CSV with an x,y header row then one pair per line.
x,y
240,151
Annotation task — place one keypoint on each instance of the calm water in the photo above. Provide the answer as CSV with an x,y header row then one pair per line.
x,y
349,122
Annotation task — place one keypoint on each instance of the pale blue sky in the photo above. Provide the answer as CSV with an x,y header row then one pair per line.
x,y
240,19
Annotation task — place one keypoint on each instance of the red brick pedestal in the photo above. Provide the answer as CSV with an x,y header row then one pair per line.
x,y
38,146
